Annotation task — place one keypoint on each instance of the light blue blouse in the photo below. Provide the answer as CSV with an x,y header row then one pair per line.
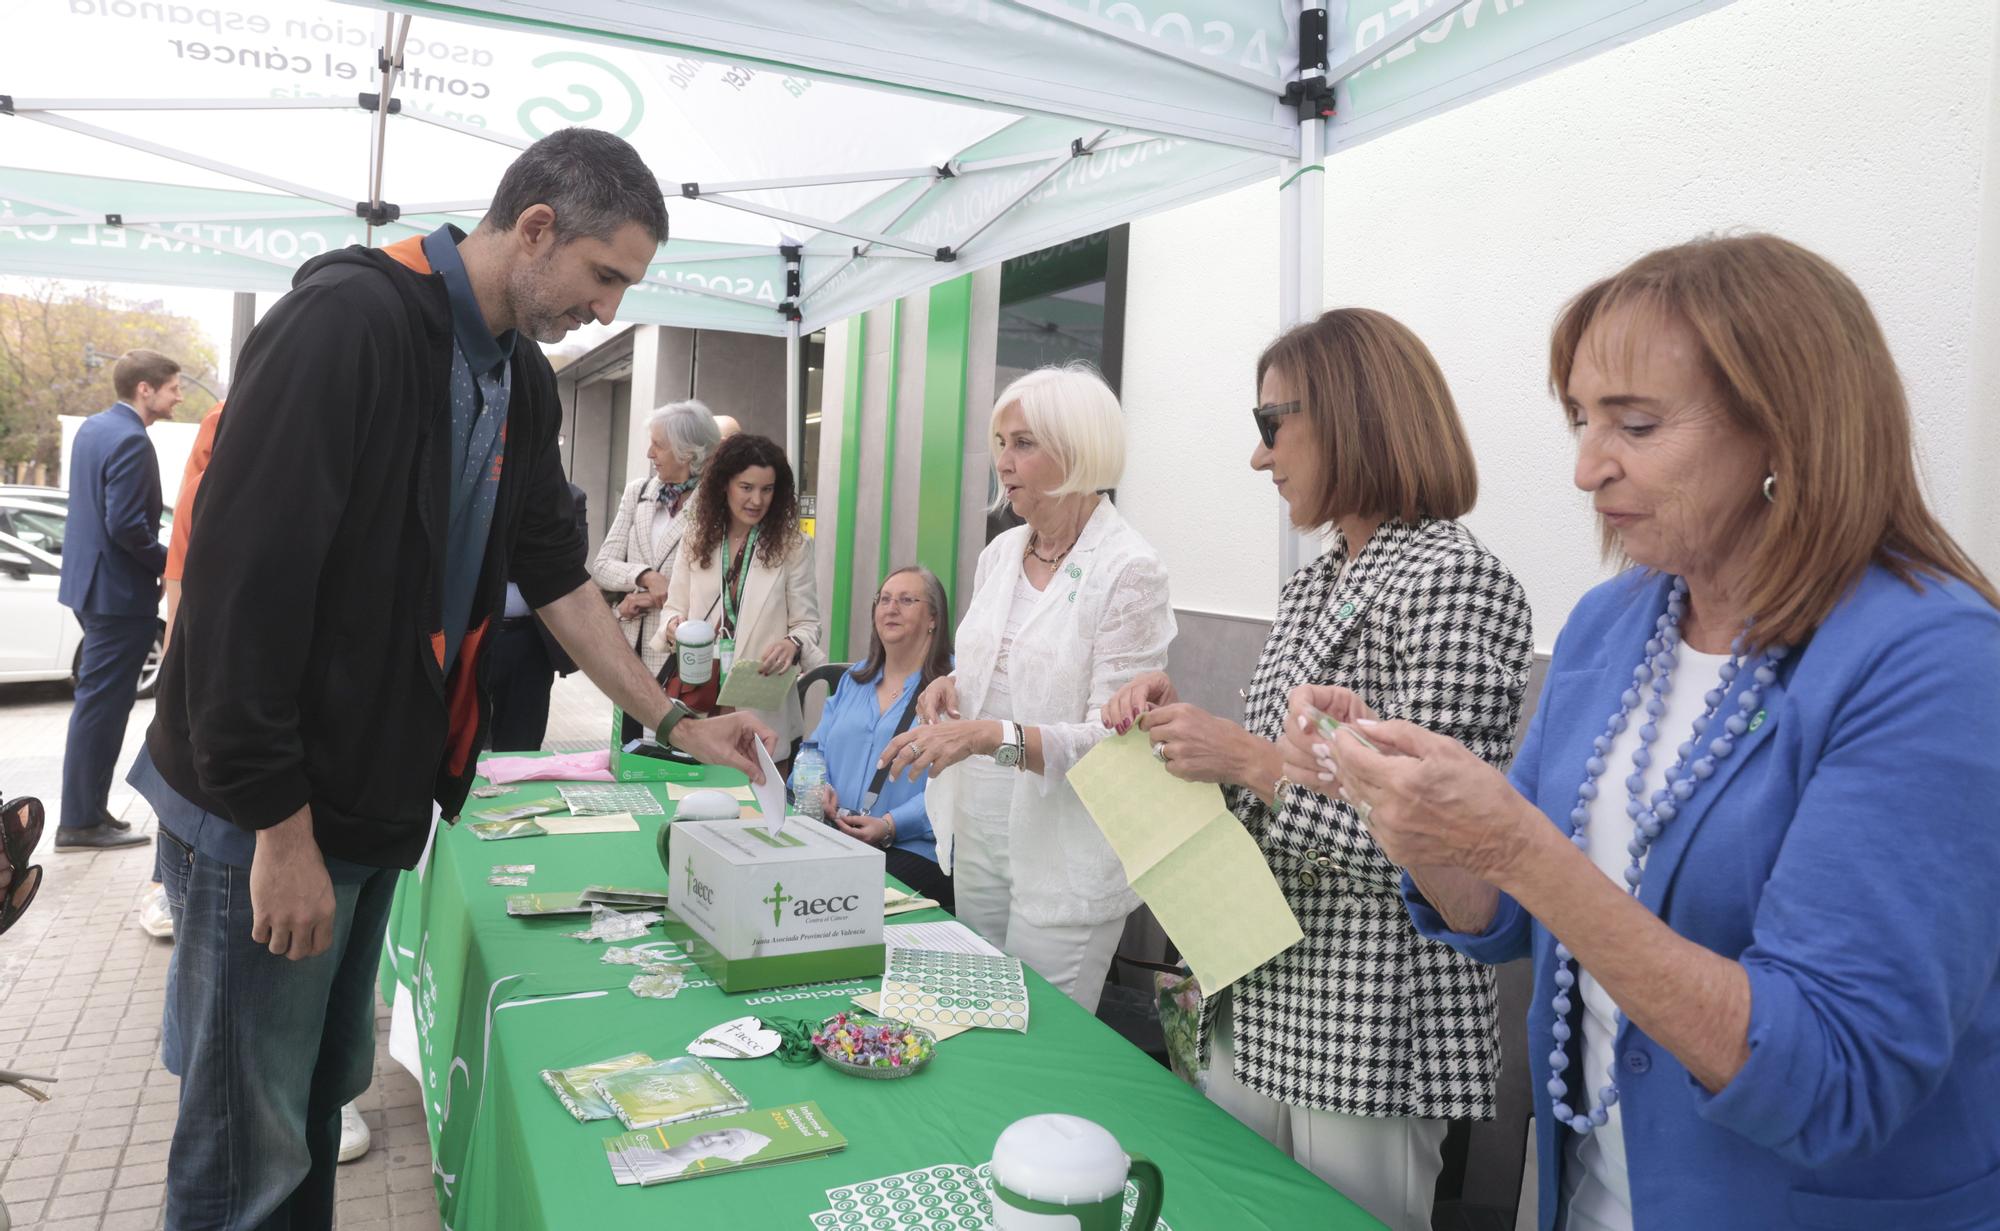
x,y
851,735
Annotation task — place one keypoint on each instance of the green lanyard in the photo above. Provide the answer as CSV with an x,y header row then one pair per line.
x,y
733,595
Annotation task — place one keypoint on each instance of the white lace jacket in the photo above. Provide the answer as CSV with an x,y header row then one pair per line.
x,y
1104,619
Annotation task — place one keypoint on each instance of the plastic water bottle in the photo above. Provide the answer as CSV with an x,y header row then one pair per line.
x,y
809,782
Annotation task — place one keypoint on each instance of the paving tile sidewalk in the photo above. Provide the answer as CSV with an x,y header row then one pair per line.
x,y
81,989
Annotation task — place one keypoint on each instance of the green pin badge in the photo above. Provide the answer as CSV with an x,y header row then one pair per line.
x,y
1757,720
1346,611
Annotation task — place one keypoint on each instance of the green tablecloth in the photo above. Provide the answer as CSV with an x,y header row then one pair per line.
x,y
489,1001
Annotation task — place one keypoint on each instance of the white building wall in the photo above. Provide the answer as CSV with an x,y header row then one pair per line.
x,y
1866,131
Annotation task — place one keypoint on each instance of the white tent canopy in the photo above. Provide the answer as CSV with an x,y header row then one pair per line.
x,y
821,157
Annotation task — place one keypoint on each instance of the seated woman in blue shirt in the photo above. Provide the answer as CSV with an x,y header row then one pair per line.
x,y
909,645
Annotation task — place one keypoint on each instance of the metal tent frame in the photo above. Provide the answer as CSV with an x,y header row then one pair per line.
x,y
1291,142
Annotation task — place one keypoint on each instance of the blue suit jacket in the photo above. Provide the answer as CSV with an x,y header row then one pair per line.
x,y
112,557
1848,856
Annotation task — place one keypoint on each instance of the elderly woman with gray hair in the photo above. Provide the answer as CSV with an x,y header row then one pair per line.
x,y
637,556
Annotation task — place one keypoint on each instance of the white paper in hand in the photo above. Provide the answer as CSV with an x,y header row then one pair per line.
x,y
771,795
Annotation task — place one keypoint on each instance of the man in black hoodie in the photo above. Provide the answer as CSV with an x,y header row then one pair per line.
x,y
388,462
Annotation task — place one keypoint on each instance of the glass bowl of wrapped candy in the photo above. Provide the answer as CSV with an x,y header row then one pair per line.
x,y
874,1047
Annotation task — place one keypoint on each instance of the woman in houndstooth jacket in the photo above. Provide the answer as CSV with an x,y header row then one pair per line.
x,y
1354,1047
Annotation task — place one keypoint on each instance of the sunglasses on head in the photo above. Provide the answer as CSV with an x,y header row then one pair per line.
x,y
1267,417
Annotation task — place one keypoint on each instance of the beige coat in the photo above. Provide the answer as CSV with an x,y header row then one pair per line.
x,y
638,540
777,603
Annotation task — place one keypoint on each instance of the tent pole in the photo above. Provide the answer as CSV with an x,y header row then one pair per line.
x,y
795,423
242,318
1301,268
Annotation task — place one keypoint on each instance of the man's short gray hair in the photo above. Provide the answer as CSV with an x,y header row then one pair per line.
x,y
594,181
688,428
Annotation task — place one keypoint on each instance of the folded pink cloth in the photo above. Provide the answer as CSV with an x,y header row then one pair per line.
x,y
566,767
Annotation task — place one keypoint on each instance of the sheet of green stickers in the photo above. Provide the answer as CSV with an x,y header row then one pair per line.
x,y
608,798
929,987
947,1197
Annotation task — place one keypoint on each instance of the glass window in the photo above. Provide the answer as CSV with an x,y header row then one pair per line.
x,y
812,372
42,531
1059,305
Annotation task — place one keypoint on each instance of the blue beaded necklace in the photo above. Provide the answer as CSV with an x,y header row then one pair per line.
x,y
1694,765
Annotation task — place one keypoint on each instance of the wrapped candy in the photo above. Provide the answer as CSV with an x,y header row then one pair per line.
x,y
865,1042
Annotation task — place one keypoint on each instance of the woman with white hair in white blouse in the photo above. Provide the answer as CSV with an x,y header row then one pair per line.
x,y
636,559
1065,611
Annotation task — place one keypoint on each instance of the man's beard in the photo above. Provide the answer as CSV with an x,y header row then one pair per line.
x,y
532,316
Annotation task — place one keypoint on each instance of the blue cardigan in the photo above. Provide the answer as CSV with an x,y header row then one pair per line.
x,y
1848,855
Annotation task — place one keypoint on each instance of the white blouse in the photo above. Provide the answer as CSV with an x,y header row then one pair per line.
x,y
1597,1188
999,703
1103,619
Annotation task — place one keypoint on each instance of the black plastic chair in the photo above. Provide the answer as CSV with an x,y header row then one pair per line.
x,y
828,675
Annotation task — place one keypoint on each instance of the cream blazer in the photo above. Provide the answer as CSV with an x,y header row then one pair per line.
x,y
639,539
777,603
1105,618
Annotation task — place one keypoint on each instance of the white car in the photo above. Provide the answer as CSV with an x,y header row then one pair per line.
x,y
39,637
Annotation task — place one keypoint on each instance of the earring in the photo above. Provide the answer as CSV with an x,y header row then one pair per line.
x,y
1770,489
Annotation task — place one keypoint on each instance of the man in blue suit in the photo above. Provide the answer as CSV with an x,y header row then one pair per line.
x,y
112,561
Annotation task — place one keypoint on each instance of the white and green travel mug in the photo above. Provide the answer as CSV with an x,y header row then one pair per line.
x,y
1064,1173
697,650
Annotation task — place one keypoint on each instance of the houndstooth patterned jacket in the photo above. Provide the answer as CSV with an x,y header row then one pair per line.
x,y
1364,1016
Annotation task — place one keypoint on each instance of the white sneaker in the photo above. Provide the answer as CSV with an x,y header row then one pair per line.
x,y
353,1134
155,919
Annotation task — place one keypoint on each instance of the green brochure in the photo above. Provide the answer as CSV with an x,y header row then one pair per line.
x,y
516,812
722,1143
668,1091
623,895
573,1085
547,904
1189,858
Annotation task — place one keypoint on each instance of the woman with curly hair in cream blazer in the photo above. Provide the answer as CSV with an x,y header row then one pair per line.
x,y
1065,611
747,569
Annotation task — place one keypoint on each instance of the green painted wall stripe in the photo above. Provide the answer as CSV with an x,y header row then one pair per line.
x,y
884,563
850,481
946,360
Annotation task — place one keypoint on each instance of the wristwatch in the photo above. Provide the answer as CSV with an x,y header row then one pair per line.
x,y
889,838
1008,754
676,710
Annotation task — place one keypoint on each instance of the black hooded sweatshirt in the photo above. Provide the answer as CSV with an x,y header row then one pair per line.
x,y
306,662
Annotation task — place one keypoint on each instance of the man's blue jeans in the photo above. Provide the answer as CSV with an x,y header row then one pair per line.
x,y
268,1050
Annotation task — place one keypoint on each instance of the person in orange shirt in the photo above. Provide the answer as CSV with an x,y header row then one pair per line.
x,y
155,919
177,546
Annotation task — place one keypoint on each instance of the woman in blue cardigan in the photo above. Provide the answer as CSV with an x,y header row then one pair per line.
x,y
909,645
1751,839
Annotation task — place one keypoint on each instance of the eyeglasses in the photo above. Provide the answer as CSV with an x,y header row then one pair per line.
x,y
905,601
1267,417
